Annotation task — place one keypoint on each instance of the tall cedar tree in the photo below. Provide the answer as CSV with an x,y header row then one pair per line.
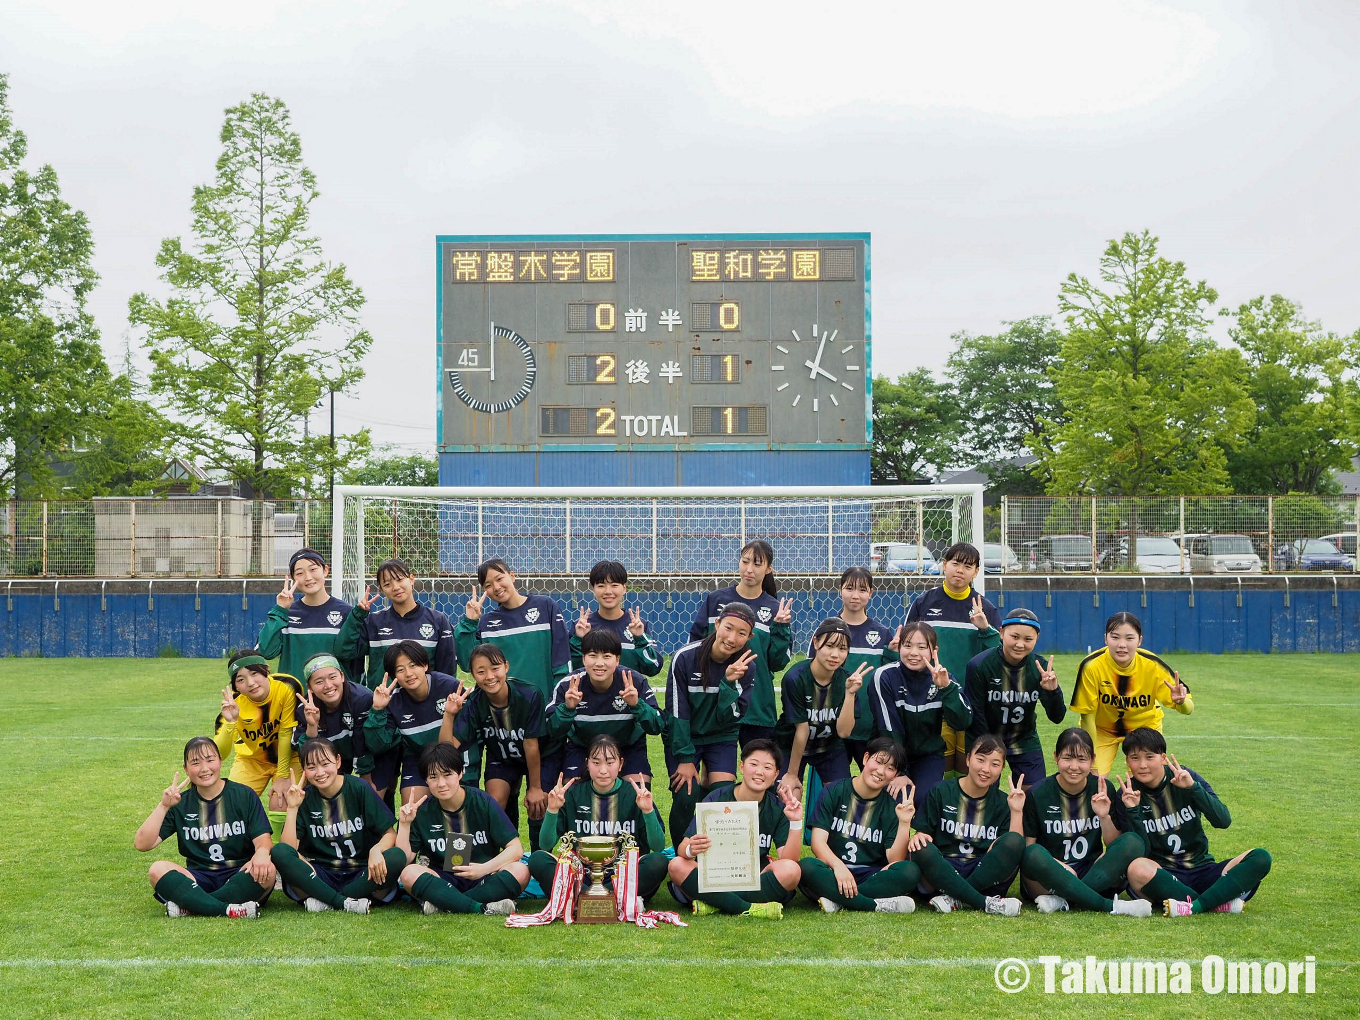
x,y
258,325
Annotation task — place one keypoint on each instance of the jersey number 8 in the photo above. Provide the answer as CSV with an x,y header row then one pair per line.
x,y
215,852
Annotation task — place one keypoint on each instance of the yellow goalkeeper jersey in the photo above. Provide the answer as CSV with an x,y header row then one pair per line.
x,y
263,732
1123,699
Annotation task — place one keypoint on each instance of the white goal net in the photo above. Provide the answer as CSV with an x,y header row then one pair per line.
x,y
676,543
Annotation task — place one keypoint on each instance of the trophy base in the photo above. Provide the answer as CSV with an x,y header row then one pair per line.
x,y
596,909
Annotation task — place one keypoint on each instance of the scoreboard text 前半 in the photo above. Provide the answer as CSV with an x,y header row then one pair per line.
x,y
655,355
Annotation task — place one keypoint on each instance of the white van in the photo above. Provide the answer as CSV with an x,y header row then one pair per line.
x,y
1220,554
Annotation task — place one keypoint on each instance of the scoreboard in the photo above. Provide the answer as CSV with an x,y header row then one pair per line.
x,y
656,344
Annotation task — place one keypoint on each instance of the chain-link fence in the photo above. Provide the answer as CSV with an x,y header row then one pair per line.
x,y
177,536
1179,534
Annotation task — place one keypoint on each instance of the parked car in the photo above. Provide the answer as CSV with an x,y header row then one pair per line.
x,y
1311,554
997,558
1156,554
1343,540
1063,552
1221,554
902,558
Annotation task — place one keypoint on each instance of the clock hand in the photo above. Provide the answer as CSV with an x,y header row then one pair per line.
x,y
816,364
492,345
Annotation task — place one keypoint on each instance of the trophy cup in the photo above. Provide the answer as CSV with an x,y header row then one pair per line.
x,y
596,904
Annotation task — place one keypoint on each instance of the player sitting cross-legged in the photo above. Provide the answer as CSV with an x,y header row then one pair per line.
x,y
781,841
859,840
1168,803
465,854
223,835
969,841
1076,855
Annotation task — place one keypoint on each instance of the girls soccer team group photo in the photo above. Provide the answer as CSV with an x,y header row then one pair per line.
x,y
387,757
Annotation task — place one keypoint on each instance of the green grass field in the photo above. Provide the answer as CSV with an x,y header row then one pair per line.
x,y
89,745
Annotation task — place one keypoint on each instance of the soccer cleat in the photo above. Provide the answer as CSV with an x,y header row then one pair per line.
x,y
356,906
1177,908
1233,906
1048,904
247,909
278,883
772,911
1005,906
175,910
1133,908
315,906
428,908
499,908
703,909
944,904
895,905
828,906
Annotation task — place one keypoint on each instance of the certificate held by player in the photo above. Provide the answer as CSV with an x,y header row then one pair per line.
x,y
732,861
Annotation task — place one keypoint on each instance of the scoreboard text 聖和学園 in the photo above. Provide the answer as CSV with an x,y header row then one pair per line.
x,y
654,344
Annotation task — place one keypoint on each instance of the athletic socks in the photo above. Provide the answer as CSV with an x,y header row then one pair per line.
x,y
241,888
298,874
998,866
363,887
500,886
1038,865
1109,873
181,890
819,882
1165,886
727,903
1242,879
535,828
433,889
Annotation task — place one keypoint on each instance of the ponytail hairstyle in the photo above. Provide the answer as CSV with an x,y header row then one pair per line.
x,y
705,654
1120,619
1076,740
762,552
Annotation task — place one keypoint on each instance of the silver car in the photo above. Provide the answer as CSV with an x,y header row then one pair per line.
x,y
1221,554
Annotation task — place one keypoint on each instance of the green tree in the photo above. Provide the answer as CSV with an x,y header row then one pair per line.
x,y
258,325
1010,402
917,428
1152,402
1304,427
389,468
56,391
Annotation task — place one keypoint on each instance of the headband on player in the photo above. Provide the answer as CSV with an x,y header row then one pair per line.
x,y
740,610
320,662
1022,616
246,660
305,554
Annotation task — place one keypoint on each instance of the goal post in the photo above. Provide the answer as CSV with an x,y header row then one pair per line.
x,y
677,543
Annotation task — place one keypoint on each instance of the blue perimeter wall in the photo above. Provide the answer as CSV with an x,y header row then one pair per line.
x,y
32,625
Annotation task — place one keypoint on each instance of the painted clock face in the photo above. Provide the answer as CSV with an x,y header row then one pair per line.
x,y
818,371
493,375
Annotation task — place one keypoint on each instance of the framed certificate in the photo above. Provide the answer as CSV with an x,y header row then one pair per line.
x,y
732,862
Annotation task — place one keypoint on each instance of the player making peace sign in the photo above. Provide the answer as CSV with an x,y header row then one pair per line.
x,y
609,585
770,637
781,841
605,697
1075,853
1004,685
464,854
969,839
1122,687
707,694
912,700
408,710
819,707
222,833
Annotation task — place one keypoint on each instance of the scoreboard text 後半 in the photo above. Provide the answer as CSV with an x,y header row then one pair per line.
x,y
640,346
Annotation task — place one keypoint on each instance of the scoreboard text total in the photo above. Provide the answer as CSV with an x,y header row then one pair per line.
x,y
618,343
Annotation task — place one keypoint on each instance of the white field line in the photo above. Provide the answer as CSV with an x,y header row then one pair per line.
x,y
750,963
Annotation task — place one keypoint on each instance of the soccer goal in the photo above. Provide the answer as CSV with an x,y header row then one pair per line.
x,y
677,543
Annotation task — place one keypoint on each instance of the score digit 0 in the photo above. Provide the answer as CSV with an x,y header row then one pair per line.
x,y
729,315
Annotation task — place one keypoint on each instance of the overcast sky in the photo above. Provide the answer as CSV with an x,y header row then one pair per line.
x,y
990,148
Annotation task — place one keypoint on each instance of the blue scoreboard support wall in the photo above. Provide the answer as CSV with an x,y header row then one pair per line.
x,y
1263,614
728,466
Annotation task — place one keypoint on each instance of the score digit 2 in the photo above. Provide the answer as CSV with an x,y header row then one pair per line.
x,y
605,419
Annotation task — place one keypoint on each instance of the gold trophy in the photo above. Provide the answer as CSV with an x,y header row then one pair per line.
x,y
596,904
